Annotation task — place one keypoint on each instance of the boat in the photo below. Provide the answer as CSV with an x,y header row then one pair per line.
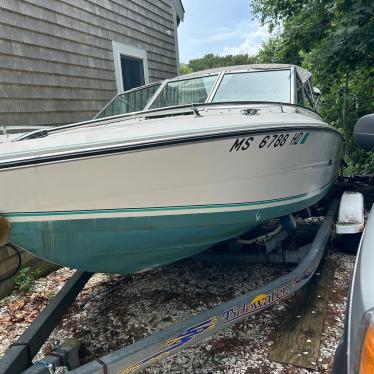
x,y
169,169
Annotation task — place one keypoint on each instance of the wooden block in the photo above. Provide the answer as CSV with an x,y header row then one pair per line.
x,y
300,333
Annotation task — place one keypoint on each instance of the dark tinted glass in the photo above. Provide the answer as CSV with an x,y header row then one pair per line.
x,y
132,72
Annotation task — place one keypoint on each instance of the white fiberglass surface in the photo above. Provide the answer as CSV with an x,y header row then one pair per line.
x,y
200,173
272,85
184,92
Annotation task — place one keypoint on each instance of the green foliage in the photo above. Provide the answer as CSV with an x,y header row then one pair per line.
x,y
185,69
211,61
334,39
25,279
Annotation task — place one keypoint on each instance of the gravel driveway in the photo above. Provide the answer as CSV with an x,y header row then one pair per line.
x,y
113,311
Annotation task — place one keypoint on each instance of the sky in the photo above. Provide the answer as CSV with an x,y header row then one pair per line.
x,y
220,27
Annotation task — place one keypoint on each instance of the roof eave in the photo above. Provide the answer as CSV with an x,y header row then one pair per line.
x,y
179,9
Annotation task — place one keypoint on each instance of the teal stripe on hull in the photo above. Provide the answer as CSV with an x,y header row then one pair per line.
x,y
151,209
11,215
126,245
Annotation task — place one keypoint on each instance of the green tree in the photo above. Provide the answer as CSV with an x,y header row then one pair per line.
x,y
185,69
210,61
335,40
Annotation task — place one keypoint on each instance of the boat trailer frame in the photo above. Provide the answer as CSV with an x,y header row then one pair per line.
x,y
158,346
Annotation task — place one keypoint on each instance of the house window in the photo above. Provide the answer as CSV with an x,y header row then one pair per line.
x,y
132,72
130,65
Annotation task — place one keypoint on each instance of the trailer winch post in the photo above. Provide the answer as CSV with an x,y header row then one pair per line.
x,y
19,356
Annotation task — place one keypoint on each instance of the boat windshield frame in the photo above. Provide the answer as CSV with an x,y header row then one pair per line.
x,y
220,74
183,78
219,77
161,83
245,71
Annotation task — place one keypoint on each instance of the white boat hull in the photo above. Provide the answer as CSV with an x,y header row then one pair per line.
x,y
129,211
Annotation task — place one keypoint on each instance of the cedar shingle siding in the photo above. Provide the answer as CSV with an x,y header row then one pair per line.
x,y
56,56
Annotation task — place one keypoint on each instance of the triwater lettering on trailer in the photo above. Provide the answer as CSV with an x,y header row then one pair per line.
x,y
261,301
269,141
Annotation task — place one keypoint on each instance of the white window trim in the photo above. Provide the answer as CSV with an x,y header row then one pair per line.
x,y
130,51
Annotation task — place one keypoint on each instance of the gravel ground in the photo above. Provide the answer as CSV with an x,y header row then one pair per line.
x,y
106,314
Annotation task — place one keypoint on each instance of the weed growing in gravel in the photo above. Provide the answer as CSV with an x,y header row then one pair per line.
x,y
25,279
4,301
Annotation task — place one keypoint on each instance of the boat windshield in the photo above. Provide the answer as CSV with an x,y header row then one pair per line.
x,y
185,91
273,85
130,101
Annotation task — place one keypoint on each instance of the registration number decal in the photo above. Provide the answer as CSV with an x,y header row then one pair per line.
x,y
269,141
